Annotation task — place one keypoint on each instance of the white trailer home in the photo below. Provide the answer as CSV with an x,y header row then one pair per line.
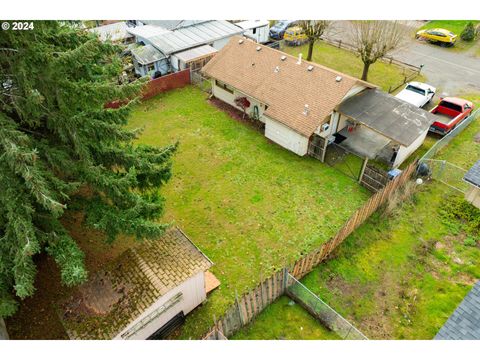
x,y
144,294
257,30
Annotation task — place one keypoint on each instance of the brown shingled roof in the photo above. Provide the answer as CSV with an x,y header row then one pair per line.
x,y
119,294
287,91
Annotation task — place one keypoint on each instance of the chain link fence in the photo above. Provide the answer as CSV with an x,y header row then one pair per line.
x,y
442,170
321,311
200,81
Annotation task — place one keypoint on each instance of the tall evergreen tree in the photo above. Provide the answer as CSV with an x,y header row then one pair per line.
x,y
59,147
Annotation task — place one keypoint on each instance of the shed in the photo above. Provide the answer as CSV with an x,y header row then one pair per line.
x,y
397,127
143,294
472,177
464,323
148,60
195,58
257,30
116,32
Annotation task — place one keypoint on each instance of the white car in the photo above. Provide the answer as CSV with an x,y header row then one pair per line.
x,y
417,93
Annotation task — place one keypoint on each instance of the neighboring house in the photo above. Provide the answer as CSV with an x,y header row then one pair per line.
x,y
472,177
175,38
464,323
116,32
257,30
299,101
149,61
144,294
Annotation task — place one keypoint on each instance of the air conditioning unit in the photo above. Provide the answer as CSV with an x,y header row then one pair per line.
x,y
325,127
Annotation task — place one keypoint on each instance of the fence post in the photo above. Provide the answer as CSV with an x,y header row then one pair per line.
x,y
340,44
285,280
362,171
240,313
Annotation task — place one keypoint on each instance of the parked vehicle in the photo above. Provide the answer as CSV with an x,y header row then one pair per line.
x,y
450,112
295,36
417,93
277,31
440,36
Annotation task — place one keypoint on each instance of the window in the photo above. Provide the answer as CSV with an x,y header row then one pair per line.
x,y
254,31
224,86
149,67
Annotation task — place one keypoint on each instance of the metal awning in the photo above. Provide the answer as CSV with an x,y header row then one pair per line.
x,y
147,54
395,119
196,53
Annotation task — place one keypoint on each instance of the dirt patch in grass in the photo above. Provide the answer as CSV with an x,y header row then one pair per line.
x,y
37,316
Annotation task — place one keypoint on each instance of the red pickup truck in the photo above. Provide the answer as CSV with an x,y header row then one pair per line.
x,y
450,112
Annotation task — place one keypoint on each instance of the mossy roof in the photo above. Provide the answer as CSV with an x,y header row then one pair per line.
x,y
125,288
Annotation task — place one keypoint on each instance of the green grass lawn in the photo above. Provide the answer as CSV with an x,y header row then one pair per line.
x,y
455,26
380,73
296,324
401,277
398,277
249,204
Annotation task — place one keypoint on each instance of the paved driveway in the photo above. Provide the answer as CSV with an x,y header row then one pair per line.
x,y
450,71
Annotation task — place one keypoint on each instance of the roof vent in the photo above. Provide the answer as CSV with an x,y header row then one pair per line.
x,y
240,41
259,48
299,61
338,79
283,58
277,69
310,67
305,110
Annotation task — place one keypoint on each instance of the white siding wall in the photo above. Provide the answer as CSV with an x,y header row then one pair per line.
x,y
193,291
405,152
285,137
229,98
473,196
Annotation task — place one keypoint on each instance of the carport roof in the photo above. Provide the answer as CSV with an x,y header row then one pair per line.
x,y
473,175
394,118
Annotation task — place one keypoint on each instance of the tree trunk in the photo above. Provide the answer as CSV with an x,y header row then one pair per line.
x,y
310,50
366,66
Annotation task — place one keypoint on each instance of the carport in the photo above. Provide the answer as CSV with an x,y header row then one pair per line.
x,y
380,126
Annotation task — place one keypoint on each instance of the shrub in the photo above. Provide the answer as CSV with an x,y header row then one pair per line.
x,y
468,33
470,241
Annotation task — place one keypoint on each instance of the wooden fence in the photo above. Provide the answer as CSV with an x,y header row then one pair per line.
x,y
246,308
373,178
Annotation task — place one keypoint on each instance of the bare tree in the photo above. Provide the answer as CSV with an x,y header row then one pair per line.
x,y
314,29
375,39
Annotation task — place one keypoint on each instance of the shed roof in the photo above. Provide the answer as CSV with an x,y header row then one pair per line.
x,y
473,175
120,293
394,118
172,24
147,31
252,24
147,54
114,32
464,323
196,53
194,35
286,91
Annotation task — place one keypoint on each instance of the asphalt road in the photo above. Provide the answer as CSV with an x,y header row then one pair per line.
x,y
451,72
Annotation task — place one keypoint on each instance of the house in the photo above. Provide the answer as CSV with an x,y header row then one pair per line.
x,y
185,43
472,177
143,294
300,102
149,61
115,32
257,30
464,323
